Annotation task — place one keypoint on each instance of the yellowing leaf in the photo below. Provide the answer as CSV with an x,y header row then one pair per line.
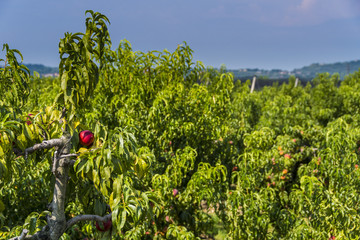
x,y
82,151
76,124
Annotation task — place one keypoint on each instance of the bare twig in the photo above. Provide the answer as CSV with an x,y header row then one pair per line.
x,y
62,118
80,218
51,123
63,114
22,236
69,155
77,154
44,135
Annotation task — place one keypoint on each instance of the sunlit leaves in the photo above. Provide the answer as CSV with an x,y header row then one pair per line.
x,y
79,74
14,80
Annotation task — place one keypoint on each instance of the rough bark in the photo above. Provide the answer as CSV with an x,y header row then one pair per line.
x,y
57,221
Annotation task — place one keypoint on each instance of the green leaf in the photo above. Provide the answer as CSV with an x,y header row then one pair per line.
x,y
2,206
32,225
122,220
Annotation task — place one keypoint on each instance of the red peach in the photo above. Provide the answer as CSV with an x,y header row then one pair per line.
x,y
86,138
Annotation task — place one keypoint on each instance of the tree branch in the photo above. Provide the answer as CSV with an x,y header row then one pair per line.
x,y
22,236
80,218
69,155
76,154
47,144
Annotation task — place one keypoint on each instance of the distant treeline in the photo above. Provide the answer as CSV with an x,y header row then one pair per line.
x,y
305,73
41,69
261,82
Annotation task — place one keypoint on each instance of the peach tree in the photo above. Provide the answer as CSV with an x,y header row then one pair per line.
x,y
140,178
47,141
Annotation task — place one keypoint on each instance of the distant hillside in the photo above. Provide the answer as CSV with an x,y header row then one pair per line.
x,y
343,68
43,70
305,73
248,73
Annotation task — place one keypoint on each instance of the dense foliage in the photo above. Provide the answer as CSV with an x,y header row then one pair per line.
x,y
178,147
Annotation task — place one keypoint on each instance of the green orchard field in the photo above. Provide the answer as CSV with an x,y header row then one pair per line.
x,y
180,151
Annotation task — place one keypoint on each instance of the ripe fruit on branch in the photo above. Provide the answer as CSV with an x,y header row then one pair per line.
x,y
86,138
175,192
28,120
106,226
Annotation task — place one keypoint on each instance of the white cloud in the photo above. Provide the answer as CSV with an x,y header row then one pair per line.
x,y
287,12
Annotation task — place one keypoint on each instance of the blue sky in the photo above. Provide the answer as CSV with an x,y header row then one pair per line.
x,y
282,34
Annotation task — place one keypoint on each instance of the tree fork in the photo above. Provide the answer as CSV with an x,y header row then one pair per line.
x,y
57,224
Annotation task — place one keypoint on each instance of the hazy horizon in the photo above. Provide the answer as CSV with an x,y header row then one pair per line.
x,y
240,34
